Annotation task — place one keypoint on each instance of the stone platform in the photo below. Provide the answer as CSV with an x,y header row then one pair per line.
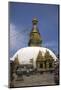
x,y
35,79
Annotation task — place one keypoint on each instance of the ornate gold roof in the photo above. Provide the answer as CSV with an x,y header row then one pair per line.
x,y
40,56
47,56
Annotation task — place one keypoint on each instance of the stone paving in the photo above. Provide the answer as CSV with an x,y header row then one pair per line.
x,y
36,79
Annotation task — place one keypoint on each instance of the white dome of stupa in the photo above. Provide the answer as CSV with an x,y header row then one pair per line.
x,y
26,54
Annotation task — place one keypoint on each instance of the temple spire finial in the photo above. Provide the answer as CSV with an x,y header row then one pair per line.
x,y
35,38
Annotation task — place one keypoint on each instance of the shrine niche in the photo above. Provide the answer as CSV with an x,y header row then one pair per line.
x,y
45,62
49,60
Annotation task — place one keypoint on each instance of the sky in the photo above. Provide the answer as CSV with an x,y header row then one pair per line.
x,y
20,24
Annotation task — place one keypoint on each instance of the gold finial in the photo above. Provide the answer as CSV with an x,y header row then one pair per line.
x,y
35,20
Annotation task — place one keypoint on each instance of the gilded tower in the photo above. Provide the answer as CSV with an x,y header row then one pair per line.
x,y
35,38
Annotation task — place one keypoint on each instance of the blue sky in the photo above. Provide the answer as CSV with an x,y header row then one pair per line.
x,y
20,19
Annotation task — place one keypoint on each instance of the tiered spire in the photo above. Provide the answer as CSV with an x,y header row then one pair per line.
x,y
35,38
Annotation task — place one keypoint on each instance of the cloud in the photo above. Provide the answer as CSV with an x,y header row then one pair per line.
x,y
17,38
14,36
